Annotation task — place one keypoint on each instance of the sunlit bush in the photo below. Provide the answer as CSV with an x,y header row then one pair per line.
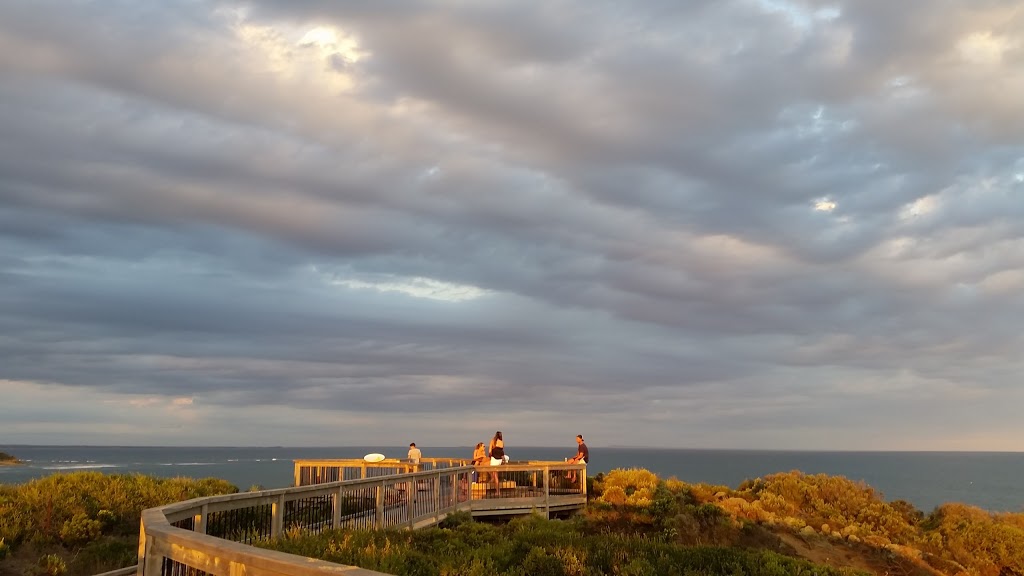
x,y
88,511
80,529
633,487
847,507
983,543
69,507
50,565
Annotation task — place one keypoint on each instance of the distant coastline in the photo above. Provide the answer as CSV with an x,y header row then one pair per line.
x,y
8,460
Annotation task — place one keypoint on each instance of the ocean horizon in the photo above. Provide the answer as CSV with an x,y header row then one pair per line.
x,y
926,479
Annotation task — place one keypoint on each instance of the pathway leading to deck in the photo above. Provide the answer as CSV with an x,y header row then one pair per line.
x,y
213,535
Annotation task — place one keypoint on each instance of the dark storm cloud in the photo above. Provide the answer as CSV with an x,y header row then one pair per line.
x,y
752,213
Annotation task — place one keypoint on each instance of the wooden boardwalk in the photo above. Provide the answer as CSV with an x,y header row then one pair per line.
x,y
213,535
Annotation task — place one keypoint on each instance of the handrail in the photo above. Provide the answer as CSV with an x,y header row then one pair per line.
x,y
213,534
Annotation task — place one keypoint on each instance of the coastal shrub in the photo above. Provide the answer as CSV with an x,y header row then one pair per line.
x,y
50,565
633,487
456,519
711,492
982,542
535,545
80,529
105,554
4,549
92,518
69,507
842,504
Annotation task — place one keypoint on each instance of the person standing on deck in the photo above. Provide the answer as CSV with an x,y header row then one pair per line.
x,y
414,454
497,453
582,455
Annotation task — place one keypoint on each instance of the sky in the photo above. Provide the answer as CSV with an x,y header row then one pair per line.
x,y
751,224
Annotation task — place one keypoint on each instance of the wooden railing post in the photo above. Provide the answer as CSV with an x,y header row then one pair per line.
x,y
379,520
298,475
436,491
547,491
277,517
141,569
336,513
199,520
583,475
410,493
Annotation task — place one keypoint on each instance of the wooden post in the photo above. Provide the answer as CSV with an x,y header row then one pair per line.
x,y
336,513
199,521
298,475
141,569
583,475
437,497
149,562
362,471
379,520
410,495
547,491
277,517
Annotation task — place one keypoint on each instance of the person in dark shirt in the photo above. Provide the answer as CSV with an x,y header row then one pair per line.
x,y
582,455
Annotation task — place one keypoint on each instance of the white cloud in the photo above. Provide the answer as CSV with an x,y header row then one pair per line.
x,y
824,205
985,48
418,288
923,206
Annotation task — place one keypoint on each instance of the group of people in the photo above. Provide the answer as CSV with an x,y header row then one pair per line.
x,y
494,454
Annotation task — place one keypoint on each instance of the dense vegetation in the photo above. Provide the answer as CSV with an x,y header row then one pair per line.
x,y
6,458
84,522
954,539
638,524
534,546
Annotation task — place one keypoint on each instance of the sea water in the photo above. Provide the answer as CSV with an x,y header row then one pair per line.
x,y
989,480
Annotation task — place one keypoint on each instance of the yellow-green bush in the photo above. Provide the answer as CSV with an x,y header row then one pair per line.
x,y
632,487
846,506
91,517
50,565
984,543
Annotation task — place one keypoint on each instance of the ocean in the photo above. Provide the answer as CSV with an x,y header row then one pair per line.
x,y
990,480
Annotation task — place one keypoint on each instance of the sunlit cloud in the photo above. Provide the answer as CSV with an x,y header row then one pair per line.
x,y
824,205
920,207
985,48
417,287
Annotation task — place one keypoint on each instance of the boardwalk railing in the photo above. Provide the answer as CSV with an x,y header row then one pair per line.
x,y
332,470
213,535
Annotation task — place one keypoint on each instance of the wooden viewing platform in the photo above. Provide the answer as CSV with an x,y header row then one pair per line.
x,y
213,535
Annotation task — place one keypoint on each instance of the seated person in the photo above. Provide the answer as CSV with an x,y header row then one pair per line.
x,y
479,458
582,455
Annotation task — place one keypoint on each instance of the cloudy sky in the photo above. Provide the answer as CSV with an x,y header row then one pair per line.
x,y
780,224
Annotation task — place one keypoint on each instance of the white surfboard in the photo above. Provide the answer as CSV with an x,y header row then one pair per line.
x,y
374,457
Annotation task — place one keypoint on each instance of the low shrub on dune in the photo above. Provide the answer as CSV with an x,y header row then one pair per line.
x,y
90,517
